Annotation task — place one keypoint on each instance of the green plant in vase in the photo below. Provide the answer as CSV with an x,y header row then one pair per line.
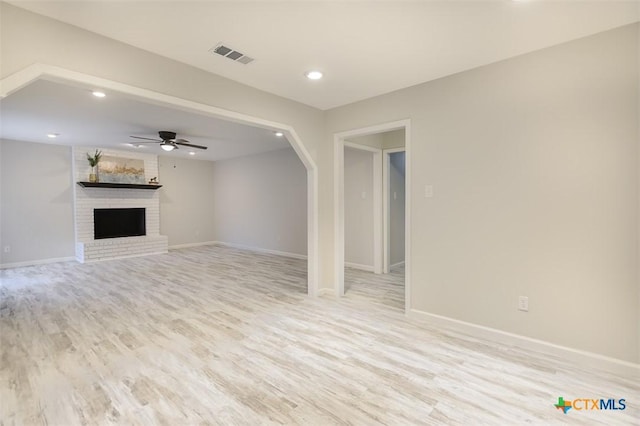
x,y
93,162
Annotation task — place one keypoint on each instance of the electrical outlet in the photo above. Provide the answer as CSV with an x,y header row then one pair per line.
x,y
7,249
523,303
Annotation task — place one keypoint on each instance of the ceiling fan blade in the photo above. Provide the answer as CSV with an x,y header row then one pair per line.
x,y
148,139
189,144
144,142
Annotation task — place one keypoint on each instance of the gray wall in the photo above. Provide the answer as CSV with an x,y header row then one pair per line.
x,y
534,163
257,201
36,215
358,211
396,207
383,140
186,200
260,201
393,139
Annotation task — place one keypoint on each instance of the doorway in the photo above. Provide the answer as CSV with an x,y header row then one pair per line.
x,y
376,140
394,193
362,201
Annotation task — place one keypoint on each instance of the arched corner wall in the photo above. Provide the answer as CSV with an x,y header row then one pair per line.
x,y
34,72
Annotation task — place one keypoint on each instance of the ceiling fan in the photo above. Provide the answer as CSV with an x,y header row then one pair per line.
x,y
169,142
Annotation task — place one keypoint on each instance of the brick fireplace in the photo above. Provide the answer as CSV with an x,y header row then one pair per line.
x,y
86,200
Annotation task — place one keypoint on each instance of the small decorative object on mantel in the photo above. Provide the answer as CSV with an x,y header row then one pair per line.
x,y
153,181
93,162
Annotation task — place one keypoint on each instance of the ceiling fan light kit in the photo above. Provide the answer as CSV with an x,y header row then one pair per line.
x,y
168,141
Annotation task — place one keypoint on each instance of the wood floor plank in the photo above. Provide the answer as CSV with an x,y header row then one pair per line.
x,y
215,335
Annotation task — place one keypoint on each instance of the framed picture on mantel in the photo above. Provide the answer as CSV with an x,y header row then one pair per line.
x,y
121,170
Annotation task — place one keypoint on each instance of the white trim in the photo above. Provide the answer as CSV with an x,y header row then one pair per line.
x,y
395,265
578,357
386,206
188,245
34,72
392,150
377,212
36,262
354,145
261,250
129,256
338,214
367,268
372,130
338,200
325,291
407,217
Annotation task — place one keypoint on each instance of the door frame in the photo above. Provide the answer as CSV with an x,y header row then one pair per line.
x,y
338,202
386,205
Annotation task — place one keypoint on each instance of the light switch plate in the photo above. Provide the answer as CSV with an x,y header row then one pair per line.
x,y
428,191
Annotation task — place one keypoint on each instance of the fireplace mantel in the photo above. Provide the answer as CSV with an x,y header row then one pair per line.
x,y
89,196
118,185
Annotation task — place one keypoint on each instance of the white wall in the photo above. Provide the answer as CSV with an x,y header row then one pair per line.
x,y
186,200
396,207
358,210
534,163
36,212
260,201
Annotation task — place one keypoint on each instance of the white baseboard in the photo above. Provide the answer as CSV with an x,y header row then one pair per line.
x,y
576,356
36,262
261,250
326,291
395,265
129,256
188,245
358,266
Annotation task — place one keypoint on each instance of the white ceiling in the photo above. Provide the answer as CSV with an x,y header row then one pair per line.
x,y
81,119
365,48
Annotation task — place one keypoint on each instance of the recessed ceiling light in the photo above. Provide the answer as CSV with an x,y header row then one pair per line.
x,y
98,94
278,134
192,153
52,135
314,75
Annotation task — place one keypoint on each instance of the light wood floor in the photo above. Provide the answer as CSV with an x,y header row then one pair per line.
x,y
386,289
214,335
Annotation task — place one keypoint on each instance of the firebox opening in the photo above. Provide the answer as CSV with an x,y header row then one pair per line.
x,y
116,223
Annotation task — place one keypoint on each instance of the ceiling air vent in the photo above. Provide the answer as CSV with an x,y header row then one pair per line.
x,y
232,54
